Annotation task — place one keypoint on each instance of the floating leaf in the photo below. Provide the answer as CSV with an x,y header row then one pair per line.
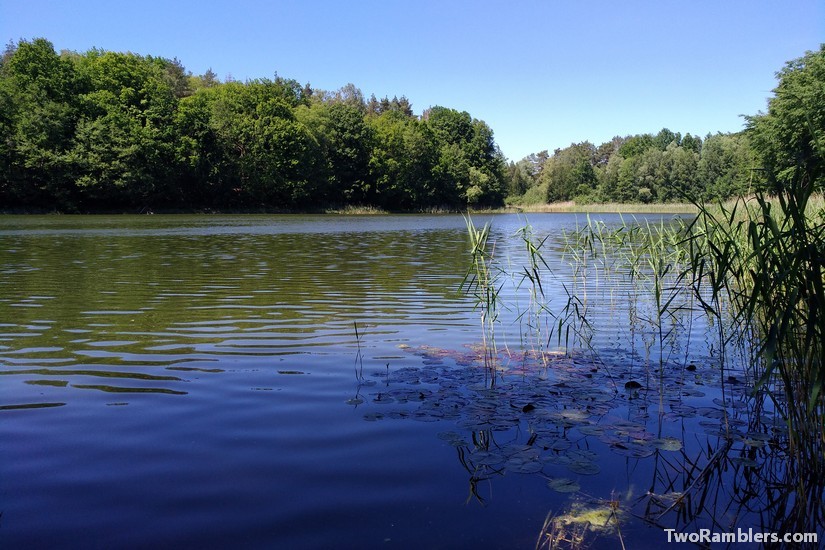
x,y
666,499
711,412
582,454
524,466
591,430
584,467
563,485
633,449
667,444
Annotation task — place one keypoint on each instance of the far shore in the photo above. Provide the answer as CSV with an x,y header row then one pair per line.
x,y
559,207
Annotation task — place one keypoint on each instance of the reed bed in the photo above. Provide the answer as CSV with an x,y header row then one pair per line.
x,y
752,269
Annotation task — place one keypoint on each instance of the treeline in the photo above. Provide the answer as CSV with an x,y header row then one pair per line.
x,y
665,167
778,151
120,131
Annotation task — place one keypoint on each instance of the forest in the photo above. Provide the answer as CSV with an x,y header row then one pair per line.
x,y
110,131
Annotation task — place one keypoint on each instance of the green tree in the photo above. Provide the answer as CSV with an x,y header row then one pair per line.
x,y
267,156
682,174
124,143
665,137
404,157
724,168
569,172
519,178
693,143
345,142
636,145
38,114
465,143
790,137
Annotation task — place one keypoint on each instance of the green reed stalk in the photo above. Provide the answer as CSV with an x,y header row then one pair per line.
x,y
766,259
531,276
482,282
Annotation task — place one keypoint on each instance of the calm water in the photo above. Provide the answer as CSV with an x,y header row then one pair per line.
x,y
194,381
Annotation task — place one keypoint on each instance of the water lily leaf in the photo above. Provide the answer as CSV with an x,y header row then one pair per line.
x,y
591,430
582,454
572,417
633,449
584,467
522,466
561,460
666,499
382,399
354,401
563,485
667,444
711,412
756,439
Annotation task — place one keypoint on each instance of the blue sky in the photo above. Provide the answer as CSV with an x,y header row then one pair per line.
x,y
542,74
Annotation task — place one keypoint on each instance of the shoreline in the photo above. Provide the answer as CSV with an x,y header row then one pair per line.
x,y
560,207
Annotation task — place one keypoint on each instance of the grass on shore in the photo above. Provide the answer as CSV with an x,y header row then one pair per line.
x,y
608,207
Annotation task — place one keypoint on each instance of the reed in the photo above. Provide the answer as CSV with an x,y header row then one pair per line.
x,y
609,207
766,258
483,282
754,269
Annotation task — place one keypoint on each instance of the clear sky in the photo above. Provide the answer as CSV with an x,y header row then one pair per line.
x,y
542,74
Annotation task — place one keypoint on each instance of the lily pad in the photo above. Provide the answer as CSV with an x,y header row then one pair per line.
x,y
584,467
563,485
633,449
667,444
523,466
591,430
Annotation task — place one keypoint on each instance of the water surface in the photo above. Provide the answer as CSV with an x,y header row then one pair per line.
x,y
198,381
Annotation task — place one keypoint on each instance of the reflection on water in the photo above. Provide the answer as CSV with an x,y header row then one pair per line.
x,y
306,380
125,300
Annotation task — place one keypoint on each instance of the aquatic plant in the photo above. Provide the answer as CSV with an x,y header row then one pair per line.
x,y
752,271
482,282
766,259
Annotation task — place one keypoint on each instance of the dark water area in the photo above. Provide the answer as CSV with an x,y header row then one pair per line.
x,y
198,382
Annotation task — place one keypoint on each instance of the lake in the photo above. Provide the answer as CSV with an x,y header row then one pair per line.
x,y
318,381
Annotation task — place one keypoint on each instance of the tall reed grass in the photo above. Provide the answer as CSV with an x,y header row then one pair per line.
x,y
766,258
482,281
754,269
